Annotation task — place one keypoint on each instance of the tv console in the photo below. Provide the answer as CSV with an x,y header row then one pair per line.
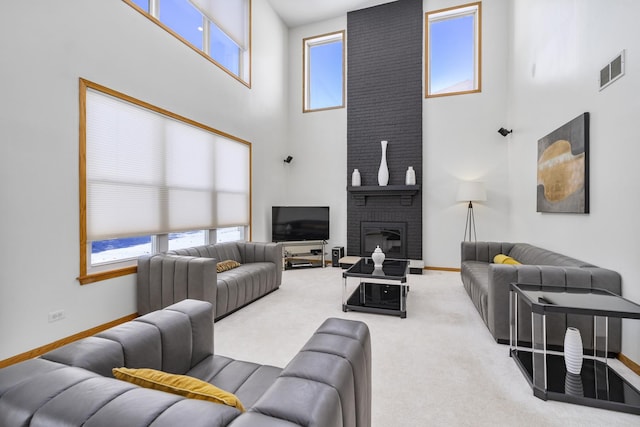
x,y
303,254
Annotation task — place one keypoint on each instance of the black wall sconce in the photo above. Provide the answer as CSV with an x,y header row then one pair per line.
x,y
288,159
504,132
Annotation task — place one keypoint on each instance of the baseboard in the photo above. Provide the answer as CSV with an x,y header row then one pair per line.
x,y
64,341
629,363
442,268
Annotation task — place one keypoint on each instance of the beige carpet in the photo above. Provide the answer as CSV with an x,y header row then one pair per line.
x,y
438,367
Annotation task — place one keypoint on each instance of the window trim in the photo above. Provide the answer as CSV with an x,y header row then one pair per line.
x,y
321,39
205,52
129,266
447,13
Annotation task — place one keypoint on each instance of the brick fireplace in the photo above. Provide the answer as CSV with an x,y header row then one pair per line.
x,y
384,93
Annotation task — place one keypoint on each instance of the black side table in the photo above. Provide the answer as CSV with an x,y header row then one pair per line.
x,y
598,384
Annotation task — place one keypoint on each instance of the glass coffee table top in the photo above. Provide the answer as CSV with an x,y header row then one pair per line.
x,y
392,269
591,301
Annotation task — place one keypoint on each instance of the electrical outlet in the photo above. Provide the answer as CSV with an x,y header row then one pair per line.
x,y
54,316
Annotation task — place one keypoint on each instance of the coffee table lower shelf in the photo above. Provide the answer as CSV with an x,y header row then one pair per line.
x,y
379,298
598,385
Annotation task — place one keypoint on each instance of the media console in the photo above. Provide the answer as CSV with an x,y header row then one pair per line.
x,y
303,254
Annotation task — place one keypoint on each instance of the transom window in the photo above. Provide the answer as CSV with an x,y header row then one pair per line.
x,y
152,181
217,29
453,50
323,64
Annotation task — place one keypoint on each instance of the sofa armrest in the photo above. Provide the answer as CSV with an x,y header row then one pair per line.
x,y
328,383
166,279
483,251
263,252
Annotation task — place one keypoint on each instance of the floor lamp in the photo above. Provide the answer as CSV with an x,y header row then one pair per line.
x,y
471,191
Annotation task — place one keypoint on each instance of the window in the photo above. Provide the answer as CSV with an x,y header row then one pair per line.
x,y
453,50
187,239
217,29
229,234
323,64
151,181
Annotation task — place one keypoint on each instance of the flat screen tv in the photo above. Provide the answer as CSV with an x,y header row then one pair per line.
x,y
298,223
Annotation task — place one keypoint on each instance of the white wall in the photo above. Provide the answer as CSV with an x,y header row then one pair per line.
x,y
461,143
318,143
46,46
558,48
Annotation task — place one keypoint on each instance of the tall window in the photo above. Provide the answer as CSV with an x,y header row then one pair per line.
x,y
453,40
217,29
323,64
151,180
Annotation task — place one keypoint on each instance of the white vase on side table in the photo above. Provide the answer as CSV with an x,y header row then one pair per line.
x,y
573,350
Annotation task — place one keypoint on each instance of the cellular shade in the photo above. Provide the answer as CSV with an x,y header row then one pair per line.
x,y
231,16
148,173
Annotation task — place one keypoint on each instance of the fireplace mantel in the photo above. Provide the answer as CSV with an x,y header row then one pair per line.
x,y
405,192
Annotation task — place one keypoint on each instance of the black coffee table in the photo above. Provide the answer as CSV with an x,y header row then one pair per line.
x,y
597,384
381,290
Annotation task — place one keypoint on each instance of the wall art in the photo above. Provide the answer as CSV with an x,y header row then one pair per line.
x,y
563,168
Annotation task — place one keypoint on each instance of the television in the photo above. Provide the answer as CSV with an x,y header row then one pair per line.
x,y
299,223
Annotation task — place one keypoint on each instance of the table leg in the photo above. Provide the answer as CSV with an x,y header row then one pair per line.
x,y
539,351
601,338
344,294
513,319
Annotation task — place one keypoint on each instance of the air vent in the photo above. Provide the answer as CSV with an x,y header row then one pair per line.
x,y
612,71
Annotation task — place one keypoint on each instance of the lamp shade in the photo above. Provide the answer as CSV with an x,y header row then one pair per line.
x,y
471,191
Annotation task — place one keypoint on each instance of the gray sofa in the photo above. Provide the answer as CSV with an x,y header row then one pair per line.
x,y
327,384
164,279
488,286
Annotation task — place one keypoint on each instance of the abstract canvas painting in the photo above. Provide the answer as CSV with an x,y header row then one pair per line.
x,y
563,168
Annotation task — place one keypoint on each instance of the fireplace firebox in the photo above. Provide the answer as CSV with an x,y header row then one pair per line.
x,y
390,236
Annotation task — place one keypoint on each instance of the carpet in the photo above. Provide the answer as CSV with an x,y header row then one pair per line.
x,y
438,367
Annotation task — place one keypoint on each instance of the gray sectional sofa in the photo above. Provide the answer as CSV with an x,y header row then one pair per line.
x,y
488,284
164,279
327,384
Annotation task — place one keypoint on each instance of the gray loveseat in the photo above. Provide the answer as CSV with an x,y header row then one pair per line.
x,y
191,273
488,284
327,384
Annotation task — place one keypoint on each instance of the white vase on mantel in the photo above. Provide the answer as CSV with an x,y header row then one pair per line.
x,y
355,178
378,257
383,172
410,178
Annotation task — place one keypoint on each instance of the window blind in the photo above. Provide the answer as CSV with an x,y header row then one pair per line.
x,y
231,16
148,173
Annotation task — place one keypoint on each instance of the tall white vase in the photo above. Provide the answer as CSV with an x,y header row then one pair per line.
x,y
573,350
383,172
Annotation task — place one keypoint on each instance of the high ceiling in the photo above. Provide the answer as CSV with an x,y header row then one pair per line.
x,y
301,12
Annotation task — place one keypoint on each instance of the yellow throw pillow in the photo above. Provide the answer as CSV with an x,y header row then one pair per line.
x,y
182,385
499,259
227,265
504,259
